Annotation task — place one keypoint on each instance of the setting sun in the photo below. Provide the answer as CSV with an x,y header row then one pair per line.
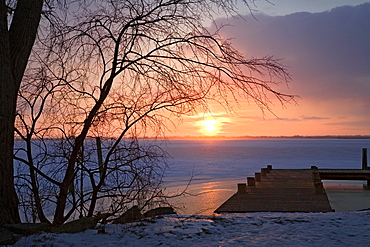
x,y
210,126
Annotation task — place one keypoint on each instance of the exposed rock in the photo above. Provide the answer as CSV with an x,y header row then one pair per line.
x,y
159,211
6,237
28,228
131,215
77,225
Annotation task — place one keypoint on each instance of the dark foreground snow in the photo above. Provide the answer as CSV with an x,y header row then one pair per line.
x,y
252,229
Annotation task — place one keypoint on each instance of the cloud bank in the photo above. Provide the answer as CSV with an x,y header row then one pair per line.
x,y
328,55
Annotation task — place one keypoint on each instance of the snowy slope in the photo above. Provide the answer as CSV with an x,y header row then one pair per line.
x,y
253,229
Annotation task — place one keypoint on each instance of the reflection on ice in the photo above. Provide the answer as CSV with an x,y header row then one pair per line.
x,y
347,196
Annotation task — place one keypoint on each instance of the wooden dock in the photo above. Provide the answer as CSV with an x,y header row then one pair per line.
x,y
287,190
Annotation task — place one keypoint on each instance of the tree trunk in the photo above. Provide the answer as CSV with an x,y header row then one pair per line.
x,y
93,202
8,198
70,172
34,185
15,48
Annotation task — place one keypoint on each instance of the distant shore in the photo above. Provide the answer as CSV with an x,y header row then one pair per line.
x,y
267,137
218,137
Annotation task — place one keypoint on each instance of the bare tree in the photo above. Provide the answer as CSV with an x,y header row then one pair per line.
x,y
129,172
118,69
16,40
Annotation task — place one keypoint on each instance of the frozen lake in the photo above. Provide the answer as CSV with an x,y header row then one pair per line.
x,y
218,165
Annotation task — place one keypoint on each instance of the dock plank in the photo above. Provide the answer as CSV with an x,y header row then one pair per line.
x,y
280,190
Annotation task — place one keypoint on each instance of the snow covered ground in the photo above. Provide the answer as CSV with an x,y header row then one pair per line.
x,y
216,182
252,229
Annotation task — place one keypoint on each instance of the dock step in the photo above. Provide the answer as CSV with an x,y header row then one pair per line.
x,y
279,190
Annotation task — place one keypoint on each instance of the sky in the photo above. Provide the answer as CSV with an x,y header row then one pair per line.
x,y
325,45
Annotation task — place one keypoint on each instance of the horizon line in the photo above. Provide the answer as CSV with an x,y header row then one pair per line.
x,y
189,137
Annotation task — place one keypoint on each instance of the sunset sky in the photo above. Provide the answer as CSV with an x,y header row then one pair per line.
x,y
326,46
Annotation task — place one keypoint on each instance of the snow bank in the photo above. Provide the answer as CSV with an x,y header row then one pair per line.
x,y
253,229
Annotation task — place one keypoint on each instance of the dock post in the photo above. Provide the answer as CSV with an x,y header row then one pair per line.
x,y
364,159
242,188
257,175
264,171
251,182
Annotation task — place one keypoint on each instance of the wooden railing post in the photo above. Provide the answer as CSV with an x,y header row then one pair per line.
x,y
364,159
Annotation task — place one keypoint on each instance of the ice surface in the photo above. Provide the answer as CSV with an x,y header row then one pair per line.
x,y
218,165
